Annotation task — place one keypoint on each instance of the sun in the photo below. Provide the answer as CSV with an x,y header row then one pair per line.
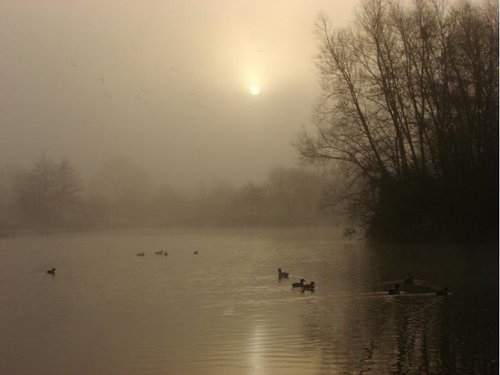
x,y
254,90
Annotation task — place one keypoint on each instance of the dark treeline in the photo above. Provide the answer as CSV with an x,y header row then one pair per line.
x,y
410,110
49,195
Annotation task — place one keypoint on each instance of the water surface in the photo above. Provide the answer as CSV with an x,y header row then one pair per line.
x,y
224,311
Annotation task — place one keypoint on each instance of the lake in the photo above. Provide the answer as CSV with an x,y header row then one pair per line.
x,y
224,311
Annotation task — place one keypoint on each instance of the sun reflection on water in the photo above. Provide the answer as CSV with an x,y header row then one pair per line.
x,y
256,348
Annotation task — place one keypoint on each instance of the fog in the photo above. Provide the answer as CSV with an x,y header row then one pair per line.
x,y
164,84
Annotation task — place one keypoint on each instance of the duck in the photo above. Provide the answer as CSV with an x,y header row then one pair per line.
x,y
159,252
282,275
309,287
299,284
52,271
195,252
165,253
409,279
140,254
443,292
394,290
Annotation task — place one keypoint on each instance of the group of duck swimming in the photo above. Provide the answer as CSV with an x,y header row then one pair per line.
x,y
301,284
52,271
161,252
409,286
408,281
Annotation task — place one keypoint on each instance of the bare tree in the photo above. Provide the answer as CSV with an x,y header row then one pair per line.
x,y
294,194
48,194
410,103
119,193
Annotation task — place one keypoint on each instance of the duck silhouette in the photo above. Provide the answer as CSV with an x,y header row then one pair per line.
x,y
299,284
311,286
52,271
443,292
140,254
409,279
394,290
282,275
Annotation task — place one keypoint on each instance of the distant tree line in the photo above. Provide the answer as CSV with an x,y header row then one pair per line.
x,y
410,112
50,195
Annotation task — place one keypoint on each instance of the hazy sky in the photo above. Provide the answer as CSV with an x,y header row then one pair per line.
x,y
163,83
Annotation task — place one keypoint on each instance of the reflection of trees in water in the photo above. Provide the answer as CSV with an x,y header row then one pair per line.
x,y
470,334
416,325
420,334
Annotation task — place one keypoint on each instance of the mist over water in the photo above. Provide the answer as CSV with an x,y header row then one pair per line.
x,y
240,138
108,311
164,84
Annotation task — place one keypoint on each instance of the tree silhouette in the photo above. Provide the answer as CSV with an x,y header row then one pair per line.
x,y
48,193
410,108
